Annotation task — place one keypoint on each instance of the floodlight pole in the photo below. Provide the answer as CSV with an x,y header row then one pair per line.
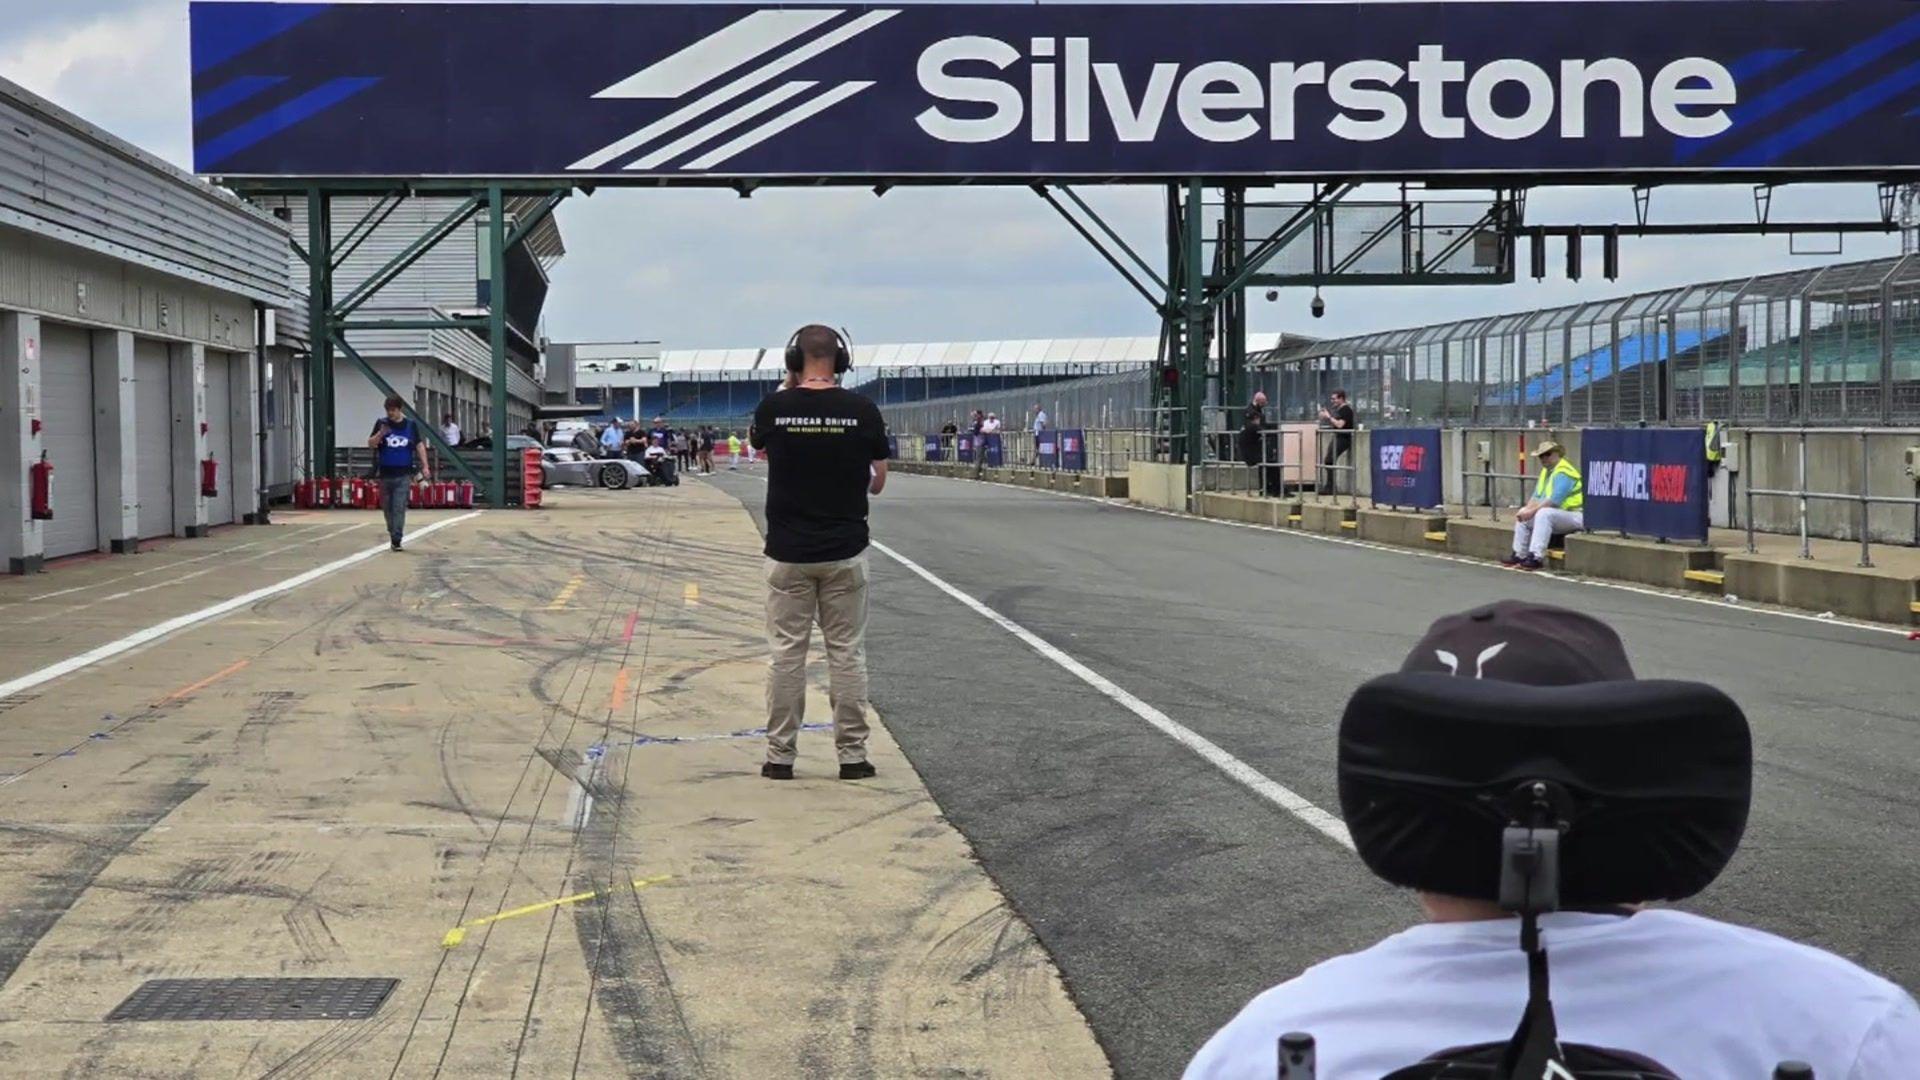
x,y
1195,310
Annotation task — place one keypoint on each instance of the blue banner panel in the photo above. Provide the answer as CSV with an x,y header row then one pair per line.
x,y
1406,468
1073,449
933,448
1004,92
893,448
964,448
991,443
1048,443
1645,481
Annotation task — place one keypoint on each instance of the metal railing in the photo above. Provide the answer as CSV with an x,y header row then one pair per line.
x,y
1803,495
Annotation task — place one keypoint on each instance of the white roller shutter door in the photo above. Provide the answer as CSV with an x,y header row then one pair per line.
x,y
220,436
153,433
66,407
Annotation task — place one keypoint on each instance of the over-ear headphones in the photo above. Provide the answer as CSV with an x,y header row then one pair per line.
x,y
842,352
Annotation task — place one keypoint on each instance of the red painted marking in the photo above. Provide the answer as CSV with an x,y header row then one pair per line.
x,y
633,621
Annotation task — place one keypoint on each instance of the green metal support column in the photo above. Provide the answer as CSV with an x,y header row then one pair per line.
x,y
320,342
1233,305
497,337
1193,374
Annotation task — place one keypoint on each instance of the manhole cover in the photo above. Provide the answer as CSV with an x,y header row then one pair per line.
x,y
255,999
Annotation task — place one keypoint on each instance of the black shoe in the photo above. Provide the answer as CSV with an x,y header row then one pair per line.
x,y
396,545
1530,563
775,771
856,770
1513,560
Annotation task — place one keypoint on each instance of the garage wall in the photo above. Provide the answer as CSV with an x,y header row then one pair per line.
x,y
66,409
153,435
220,436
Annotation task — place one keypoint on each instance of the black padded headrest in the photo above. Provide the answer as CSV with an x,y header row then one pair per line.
x,y
1660,772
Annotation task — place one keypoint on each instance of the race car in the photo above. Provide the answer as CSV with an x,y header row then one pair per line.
x,y
562,466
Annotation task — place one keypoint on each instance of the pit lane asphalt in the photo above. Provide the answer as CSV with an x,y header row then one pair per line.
x,y
1168,893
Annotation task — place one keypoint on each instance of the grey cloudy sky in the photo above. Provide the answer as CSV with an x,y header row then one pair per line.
x,y
703,268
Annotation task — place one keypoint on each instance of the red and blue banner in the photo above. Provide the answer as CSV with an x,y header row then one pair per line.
x,y
934,448
963,447
1073,449
992,446
893,448
1645,482
1048,443
1406,468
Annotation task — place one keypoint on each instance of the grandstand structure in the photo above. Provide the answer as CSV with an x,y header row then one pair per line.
x,y
1837,344
723,385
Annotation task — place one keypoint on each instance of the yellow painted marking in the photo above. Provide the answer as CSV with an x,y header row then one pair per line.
x,y
1711,577
1557,556
620,690
1349,524
459,933
189,691
1293,517
566,594
1438,537
692,594
1914,607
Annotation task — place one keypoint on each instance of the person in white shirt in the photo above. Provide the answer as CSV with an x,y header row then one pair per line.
x,y
613,439
1039,427
450,431
1706,1000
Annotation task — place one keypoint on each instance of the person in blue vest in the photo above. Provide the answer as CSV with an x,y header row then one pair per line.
x,y
400,445
1554,510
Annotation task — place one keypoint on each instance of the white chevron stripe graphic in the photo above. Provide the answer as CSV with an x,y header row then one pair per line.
x,y
713,128
775,126
718,52
707,103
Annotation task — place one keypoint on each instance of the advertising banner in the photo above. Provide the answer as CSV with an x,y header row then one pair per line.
x,y
1049,449
1406,468
893,448
1004,92
1645,482
963,448
992,447
1073,449
934,448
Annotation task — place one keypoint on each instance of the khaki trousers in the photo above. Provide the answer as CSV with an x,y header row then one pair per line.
x,y
834,595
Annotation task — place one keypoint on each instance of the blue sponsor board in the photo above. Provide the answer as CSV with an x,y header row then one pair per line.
x,y
991,443
963,447
1645,482
933,450
1406,468
1008,92
1073,449
1048,444
893,448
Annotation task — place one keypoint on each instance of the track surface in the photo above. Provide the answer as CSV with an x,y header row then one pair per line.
x,y
1169,894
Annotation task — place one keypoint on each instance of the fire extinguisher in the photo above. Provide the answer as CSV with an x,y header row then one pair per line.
x,y
303,494
210,477
41,475
466,494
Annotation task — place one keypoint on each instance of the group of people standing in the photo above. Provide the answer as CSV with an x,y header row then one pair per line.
x,y
1337,415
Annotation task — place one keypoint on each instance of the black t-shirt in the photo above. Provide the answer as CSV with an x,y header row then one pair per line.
x,y
1344,417
820,445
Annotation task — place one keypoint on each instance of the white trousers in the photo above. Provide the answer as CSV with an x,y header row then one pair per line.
x,y
1532,537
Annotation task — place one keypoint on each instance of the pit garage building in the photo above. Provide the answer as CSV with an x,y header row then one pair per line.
x,y
133,299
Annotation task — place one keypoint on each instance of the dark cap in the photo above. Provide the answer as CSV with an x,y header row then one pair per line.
x,y
1512,641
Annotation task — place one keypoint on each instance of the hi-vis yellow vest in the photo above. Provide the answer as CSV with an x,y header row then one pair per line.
x,y
1544,486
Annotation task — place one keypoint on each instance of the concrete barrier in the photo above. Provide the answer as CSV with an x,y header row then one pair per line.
x,y
1857,591
1399,527
1328,518
1644,561
1150,483
1479,538
1248,508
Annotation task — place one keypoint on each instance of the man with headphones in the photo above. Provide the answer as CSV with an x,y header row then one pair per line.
x,y
826,452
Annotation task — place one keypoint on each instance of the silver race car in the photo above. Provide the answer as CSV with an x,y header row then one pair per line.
x,y
562,466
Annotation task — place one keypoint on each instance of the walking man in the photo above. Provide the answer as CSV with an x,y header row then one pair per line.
x,y
827,451
1341,445
399,443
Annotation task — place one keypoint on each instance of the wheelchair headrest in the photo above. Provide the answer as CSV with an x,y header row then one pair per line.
x,y
1660,775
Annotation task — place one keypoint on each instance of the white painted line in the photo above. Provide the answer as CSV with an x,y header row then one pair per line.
x,y
1285,798
193,618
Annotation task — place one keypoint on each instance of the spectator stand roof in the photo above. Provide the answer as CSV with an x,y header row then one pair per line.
x,y
1054,356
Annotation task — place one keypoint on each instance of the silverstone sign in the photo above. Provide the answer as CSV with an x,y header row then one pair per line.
x,y
704,92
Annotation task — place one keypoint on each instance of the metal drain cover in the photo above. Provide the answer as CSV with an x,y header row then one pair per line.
x,y
255,999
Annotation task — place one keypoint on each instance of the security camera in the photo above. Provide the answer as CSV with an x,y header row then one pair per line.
x,y
1318,307
1272,295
